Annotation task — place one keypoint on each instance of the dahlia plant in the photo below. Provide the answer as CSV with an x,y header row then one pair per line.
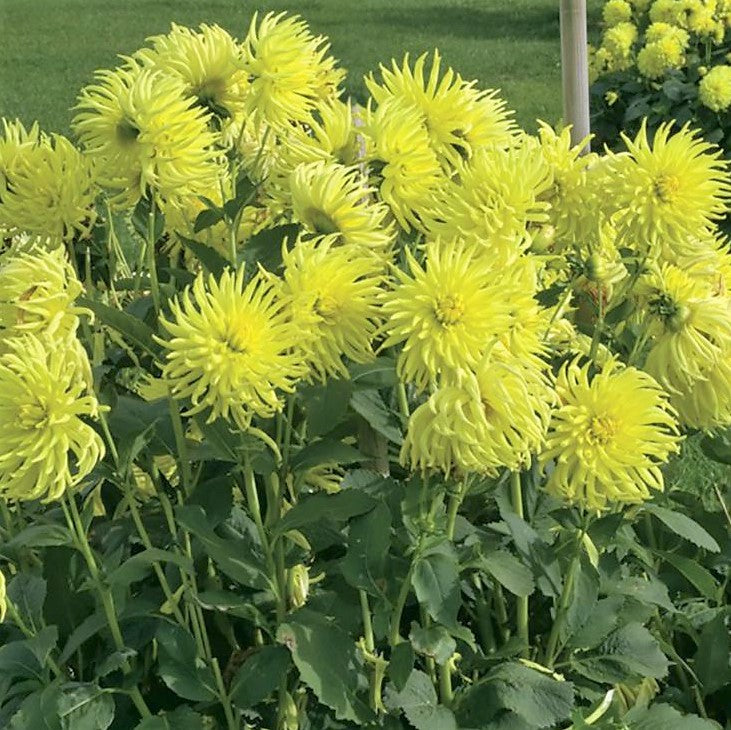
x,y
324,415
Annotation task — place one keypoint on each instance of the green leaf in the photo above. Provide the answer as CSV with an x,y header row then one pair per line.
x,y
630,650
664,717
259,676
17,660
418,700
134,330
212,261
265,247
215,496
207,218
537,698
379,373
340,506
36,536
135,569
38,711
369,404
326,405
509,571
434,641
401,664
180,667
684,526
326,659
599,623
369,539
183,718
138,424
85,707
648,590
711,658
436,582
718,446
324,451
236,558
28,593
694,572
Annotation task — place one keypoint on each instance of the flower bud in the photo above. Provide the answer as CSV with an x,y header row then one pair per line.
x,y
298,585
543,239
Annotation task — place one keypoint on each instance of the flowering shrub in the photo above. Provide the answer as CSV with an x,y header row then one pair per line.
x,y
660,60
325,416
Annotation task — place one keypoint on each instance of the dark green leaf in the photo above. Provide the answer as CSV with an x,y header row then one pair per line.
x,y
436,583
326,659
369,404
213,262
236,558
181,719
599,623
216,497
718,446
36,536
28,593
379,373
684,526
434,641
85,707
509,571
712,657
401,664
138,566
134,330
664,717
340,506
324,451
369,538
694,572
418,700
180,667
259,676
265,247
325,405
207,218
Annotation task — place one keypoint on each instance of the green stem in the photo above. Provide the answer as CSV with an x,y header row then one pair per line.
x,y
446,694
455,500
180,445
398,609
521,602
598,328
563,605
289,418
403,402
75,523
370,645
228,712
151,263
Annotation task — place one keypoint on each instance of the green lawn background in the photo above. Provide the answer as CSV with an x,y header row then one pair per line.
x,y
50,48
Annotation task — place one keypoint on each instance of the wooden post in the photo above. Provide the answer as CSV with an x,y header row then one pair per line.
x,y
575,68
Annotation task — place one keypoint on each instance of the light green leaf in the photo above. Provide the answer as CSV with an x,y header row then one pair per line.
x,y
664,717
436,582
684,527
369,404
509,571
418,700
85,707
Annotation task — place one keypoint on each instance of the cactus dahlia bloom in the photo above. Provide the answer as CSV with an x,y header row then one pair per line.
x,y
333,296
38,289
714,90
446,312
49,191
691,327
144,133
495,197
458,117
16,143
328,198
402,162
609,436
492,418
616,11
289,69
706,404
208,62
231,347
673,187
46,448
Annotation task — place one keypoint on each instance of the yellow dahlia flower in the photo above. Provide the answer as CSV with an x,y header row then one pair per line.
x,y
3,597
231,348
608,437
333,294
446,312
617,45
706,404
675,186
496,196
571,198
402,162
496,417
49,191
207,61
457,116
38,290
289,69
145,133
46,448
330,135
16,144
714,90
691,328
328,198
616,11
658,57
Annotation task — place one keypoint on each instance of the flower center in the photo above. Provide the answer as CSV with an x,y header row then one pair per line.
x,y
240,339
327,307
321,222
602,429
449,309
666,188
127,132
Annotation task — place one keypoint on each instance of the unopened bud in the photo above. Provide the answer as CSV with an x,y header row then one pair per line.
x,y
298,585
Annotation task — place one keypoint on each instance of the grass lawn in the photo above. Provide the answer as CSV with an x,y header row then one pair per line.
x,y
51,47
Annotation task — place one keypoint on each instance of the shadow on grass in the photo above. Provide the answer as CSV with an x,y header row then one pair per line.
x,y
537,23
